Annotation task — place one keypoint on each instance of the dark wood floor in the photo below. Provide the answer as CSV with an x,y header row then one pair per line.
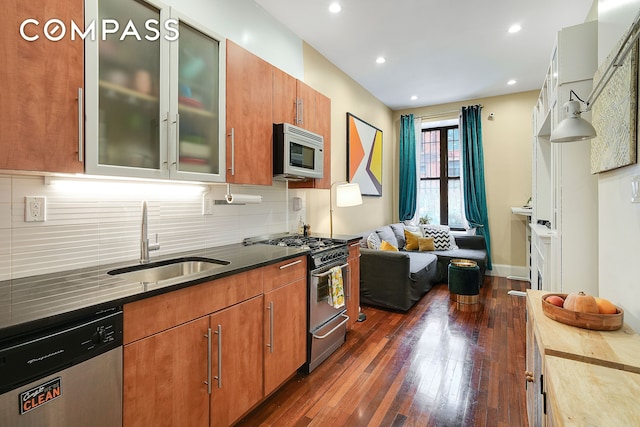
x,y
432,366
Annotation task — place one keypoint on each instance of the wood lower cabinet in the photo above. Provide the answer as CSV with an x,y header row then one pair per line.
x,y
285,335
164,378
285,321
40,82
236,361
573,376
249,118
353,296
198,356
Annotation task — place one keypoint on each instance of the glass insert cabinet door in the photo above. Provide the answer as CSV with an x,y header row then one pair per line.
x,y
155,85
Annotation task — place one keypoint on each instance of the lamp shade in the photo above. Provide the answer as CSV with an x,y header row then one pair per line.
x,y
348,195
574,127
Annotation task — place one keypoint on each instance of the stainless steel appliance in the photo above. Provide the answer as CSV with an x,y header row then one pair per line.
x,y
65,375
297,153
327,325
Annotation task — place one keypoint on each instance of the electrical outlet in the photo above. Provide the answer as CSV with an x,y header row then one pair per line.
x,y
207,204
35,209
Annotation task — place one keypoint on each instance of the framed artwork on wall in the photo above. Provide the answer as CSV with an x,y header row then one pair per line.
x,y
364,156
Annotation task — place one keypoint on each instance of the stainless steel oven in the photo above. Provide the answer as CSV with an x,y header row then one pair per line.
x,y
327,325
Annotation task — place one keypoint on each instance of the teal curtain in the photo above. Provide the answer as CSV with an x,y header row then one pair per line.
x,y
475,199
408,184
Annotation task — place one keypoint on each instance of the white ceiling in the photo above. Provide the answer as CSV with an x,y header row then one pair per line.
x,y
439,50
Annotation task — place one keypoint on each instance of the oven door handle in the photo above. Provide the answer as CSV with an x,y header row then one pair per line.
x,y
320,337
329,271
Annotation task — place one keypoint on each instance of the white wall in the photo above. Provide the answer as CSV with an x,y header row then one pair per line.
x,y
619,227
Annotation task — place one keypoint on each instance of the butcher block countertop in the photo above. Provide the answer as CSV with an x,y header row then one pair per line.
x,y
583,394
618,349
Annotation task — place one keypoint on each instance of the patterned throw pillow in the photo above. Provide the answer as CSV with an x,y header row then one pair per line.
x,y
441,237
373,241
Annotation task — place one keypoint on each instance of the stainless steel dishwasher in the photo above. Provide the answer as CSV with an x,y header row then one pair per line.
x,y
65,375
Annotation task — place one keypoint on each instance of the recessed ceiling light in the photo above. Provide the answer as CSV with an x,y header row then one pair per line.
x,y
381,60
515,28
511,82
413,98
335,8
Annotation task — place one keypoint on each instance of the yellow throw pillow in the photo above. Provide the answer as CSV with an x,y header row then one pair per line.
x,y
426,244
386,246
412,240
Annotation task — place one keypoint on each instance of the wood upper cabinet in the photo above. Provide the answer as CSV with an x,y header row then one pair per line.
x,y
236,361
285,322
40,83
284,97
353,295
249,118
164,378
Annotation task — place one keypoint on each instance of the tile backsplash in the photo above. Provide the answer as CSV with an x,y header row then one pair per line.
x,y
93,222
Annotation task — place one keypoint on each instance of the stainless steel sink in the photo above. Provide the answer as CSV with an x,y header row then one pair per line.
x,y
169,269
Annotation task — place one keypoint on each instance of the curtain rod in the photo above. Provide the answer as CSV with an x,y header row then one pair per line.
x,y
443,113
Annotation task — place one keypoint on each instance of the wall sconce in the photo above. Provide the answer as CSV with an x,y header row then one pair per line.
x,y
575,128
347,194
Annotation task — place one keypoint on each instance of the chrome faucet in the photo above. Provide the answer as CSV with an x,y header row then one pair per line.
x,y
145,247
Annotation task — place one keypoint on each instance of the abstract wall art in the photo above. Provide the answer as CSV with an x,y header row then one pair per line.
x,y
364,155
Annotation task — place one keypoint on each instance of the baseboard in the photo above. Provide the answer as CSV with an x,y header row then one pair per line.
x,y
515,272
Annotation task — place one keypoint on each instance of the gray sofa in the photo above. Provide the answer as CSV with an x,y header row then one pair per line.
x,y
397,280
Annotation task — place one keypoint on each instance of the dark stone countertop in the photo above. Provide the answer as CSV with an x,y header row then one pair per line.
x,y
31,303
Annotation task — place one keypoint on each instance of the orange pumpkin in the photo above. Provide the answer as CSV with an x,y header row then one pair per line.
x,y
605,306
581,302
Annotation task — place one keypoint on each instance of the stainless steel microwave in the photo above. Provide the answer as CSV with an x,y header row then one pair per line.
x,y
297,153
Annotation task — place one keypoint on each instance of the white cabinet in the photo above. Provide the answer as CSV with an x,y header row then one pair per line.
x,y
564,192
155,93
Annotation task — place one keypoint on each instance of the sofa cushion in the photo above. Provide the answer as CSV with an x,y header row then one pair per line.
x,y
419,262
386,233
398,230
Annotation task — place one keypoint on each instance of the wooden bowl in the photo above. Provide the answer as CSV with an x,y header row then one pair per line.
x,y
597,322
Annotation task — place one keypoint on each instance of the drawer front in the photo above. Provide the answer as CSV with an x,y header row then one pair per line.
x,y
152,315
285,272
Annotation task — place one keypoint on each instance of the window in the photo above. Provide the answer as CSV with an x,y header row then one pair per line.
x,y
440,186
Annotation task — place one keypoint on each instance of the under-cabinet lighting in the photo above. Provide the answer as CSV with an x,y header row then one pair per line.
x,y
515,28
100,187
335,8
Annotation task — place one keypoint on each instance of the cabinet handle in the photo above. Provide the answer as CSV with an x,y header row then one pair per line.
x,y
80,127
177,123
297,104
208,381
348,284
233,151
301,120
219,376
291,264
353,245
168,122
270,345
